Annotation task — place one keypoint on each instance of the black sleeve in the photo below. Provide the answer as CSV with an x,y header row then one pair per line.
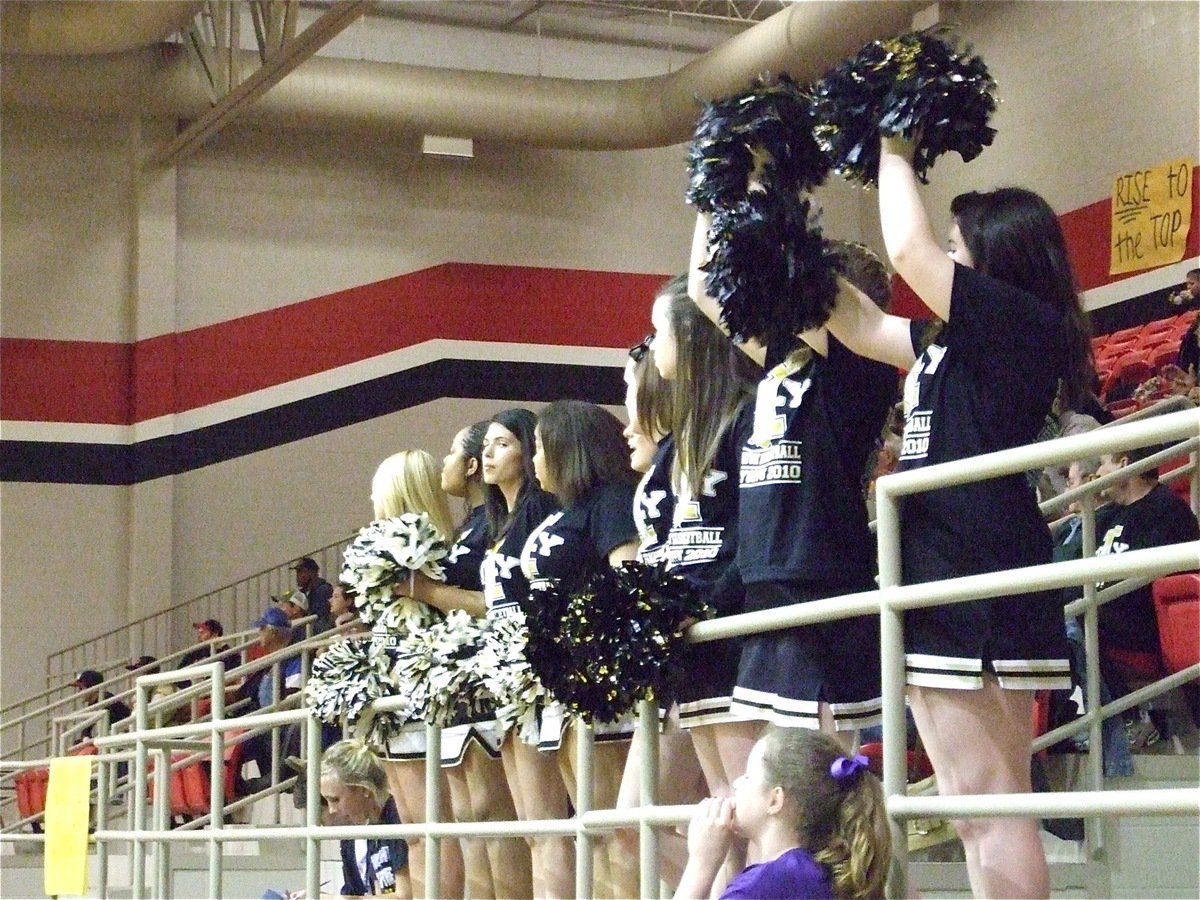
x,y
611,522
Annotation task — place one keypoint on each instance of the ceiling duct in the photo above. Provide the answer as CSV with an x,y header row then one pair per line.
x,y
338,94
54,28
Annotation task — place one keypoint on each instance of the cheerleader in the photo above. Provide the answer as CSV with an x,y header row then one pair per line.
x,y
580,458
515,504
407,482
711,385
651,452
803,531
1015,328
478,790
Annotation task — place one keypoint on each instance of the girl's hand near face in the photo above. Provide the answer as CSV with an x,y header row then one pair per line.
x,y
708,838
711,830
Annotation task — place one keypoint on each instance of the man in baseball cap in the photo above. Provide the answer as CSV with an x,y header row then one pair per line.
x,y
88,684
317,590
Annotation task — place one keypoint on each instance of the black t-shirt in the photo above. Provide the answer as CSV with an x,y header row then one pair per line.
x,y
987,385
802,515
579,538
1158,519
466,556
504,584
654,505
702,542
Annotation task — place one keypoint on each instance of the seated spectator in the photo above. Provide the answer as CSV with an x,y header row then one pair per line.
x,y
1181,382
295,606
317,592
274,633
88,683
1070,422
205,631
1146,514
355,790
342,607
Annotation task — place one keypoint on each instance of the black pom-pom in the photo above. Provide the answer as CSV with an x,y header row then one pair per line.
x,y
611,639
770,269
773,123
913,84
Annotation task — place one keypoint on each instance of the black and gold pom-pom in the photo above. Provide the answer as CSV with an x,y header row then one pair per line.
x,y
916,85
766,132
770,269
610,639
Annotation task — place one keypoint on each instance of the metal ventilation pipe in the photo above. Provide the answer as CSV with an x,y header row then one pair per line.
x,y
337,94
53,28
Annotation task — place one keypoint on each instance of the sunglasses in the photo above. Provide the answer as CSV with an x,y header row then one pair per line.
x,y
639,350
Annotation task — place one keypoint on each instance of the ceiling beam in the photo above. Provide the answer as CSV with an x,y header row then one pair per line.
x,y
291,53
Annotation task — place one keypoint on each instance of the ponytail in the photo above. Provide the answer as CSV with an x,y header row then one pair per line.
x,y
859,850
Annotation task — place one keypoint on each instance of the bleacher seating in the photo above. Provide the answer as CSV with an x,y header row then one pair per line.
x,y
1132,355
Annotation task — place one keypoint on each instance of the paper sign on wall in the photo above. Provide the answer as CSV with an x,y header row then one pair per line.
x,y
1151,216
67,807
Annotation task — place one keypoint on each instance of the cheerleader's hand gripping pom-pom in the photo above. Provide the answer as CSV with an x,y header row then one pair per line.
x,y
765,134
345,678
915,85
386,553
770,270
612,639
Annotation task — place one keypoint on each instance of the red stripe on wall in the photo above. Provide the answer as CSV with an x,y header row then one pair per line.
x,y
89,382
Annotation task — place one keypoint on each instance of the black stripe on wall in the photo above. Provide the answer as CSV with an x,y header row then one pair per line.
x,y
515,382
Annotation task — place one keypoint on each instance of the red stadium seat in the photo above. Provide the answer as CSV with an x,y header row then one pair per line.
x,y
1164,355
1177,607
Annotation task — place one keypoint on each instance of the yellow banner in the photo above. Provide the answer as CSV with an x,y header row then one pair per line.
x,y
67,808
1151,216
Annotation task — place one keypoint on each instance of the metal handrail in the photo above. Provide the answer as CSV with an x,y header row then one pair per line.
x,y
275,576
888,601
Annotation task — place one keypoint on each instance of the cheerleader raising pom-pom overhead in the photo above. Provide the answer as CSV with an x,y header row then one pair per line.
x,y
753,160
766,133
914,86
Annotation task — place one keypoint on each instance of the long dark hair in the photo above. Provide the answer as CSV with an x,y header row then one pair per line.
x,y
583,446
1013,235
652,393
472,448
521,422
712,381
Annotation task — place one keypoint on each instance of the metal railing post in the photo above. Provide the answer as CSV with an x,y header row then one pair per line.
x,y
142,720
273,775
584,744
312,809
891,669
1091,654
647,836
433,813
216,782
102,789
162,824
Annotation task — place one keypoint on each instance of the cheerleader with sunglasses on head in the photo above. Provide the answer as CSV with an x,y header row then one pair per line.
x,y
711,389
651,452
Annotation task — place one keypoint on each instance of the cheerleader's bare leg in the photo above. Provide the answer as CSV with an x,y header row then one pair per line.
x,y
496,867
681,780
406,781
979,743
616,873
538,793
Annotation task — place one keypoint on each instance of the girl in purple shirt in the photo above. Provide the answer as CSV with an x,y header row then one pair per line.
x,y
815,817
